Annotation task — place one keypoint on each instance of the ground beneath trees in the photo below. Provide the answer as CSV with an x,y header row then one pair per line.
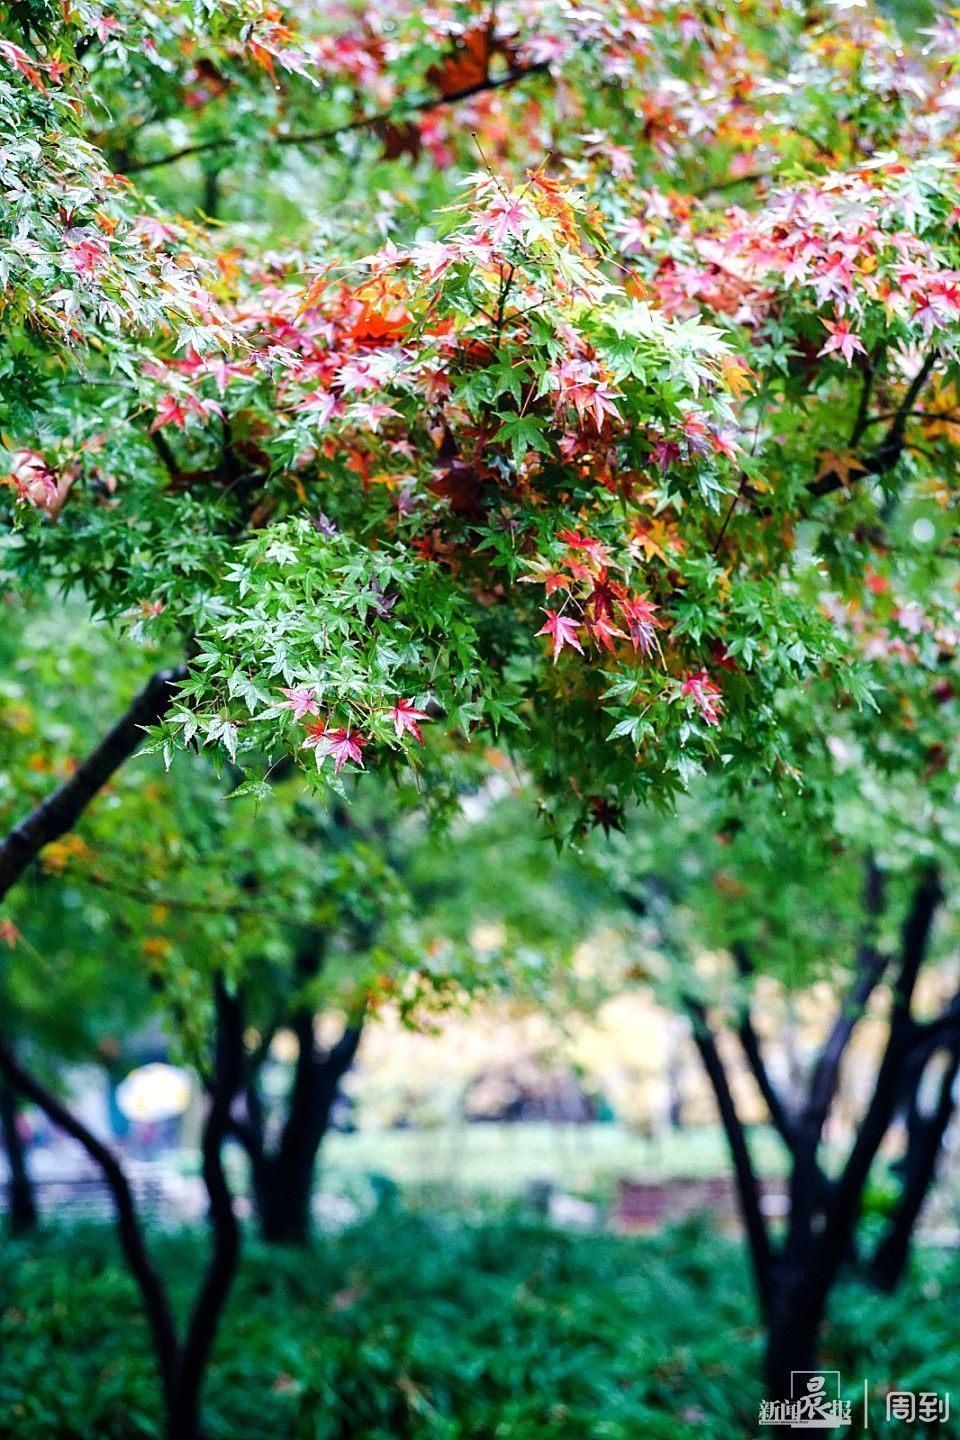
x,y
432,1328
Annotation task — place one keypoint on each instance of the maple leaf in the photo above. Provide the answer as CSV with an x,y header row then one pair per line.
x,y
562,630
705,694
20,60
341,745
467,65
405,716
843,464
400,139
605,814
603,632
504,216
37,484
85,256
843,339
739,379
302,701
170,411
642,624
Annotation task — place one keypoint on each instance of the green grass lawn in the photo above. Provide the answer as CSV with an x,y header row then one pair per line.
x,y
501,1160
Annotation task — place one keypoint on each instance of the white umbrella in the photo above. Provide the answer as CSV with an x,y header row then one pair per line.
x,y
154,1092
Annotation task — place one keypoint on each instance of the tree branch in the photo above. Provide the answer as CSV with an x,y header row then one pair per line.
x,y
146,896
925,1134
885,457
59,812
156,1304
901,1051
342,1055
362,122
781,1120
22,1216
747,1187
915,938
870,968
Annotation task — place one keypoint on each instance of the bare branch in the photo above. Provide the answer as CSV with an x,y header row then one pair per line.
x,y
418,105
885,457
781,1120
869,971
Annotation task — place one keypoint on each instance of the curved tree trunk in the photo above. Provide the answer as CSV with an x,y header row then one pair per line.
x,y
181,1367
795,1278
22,1214
129,1228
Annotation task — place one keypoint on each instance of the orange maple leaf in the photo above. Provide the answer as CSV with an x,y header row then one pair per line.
x,y
467,65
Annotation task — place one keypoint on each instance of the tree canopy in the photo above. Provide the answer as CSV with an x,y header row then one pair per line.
x,y
581,459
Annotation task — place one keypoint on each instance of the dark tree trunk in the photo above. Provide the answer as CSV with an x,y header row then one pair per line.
x,y
283,1180
130,1231
793,1329
283,1203
194,1357
925,1134
182,1367
22,1215
795,1279
748,1189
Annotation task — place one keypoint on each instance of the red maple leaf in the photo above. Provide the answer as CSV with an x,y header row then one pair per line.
x,y
640,616
707,696
466,65
342,745
405,716
562,630
603,632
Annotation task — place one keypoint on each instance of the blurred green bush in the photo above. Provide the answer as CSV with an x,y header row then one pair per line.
x,y
432,1328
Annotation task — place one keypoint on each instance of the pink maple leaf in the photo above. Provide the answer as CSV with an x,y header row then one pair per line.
x,y
562,630
405,716
842,338
302,701
341,744
170,411
85,256
640,616
506,217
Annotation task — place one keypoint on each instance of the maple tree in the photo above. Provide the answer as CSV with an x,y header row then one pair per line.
x,y
374,464
577,380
